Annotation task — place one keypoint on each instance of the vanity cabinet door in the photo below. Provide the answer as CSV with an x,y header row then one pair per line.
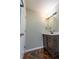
x,y
45,41
53,42
49,42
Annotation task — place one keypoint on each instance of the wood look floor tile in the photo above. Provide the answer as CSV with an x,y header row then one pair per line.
x,y
37,54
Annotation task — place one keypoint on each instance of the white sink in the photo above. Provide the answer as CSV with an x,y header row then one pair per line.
x,y
55,33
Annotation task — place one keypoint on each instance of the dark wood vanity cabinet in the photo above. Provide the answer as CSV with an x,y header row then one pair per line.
x,y
51,44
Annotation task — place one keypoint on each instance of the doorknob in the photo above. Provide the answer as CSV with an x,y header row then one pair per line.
x,y
22,34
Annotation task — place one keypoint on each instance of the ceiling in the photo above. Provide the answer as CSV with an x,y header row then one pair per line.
x,y
34,4
41,5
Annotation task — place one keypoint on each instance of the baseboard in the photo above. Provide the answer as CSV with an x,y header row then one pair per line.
x,y
33,49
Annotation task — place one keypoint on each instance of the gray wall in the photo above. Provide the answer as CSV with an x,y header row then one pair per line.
x,y
34,29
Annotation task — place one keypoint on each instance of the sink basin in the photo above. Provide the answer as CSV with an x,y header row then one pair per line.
x,y
54,33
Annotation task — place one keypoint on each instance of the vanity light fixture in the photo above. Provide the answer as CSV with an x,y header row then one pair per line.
x,y
51,15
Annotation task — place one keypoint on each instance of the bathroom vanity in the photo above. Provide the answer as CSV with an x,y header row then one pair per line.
x,y
51,44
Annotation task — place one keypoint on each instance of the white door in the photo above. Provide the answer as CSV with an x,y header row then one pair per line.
x,y
22,32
